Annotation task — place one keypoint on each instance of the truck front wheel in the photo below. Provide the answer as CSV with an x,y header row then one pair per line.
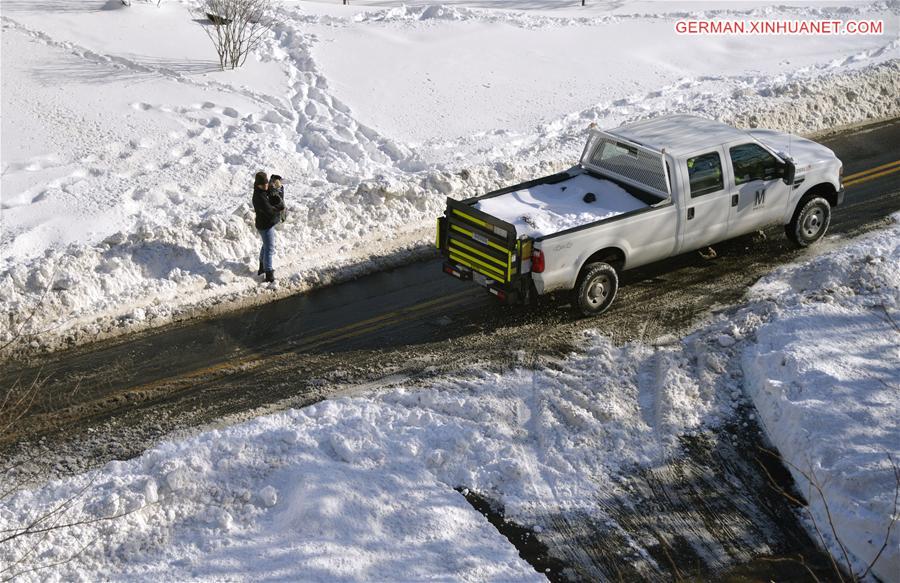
x,y
810,221
596,289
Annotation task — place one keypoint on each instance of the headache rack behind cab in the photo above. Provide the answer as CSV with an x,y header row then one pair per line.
x,y
615,157
481,247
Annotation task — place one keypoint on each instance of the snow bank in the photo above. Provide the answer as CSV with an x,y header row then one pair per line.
x,y
125,198
363,488
274,499
824,374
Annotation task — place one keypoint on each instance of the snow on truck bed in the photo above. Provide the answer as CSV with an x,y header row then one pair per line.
x,y
550,208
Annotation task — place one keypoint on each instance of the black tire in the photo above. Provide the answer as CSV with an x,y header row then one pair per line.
x,y
530,296
595,289
810,221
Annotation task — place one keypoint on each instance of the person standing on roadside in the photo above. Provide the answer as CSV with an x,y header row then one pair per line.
x,y
267,215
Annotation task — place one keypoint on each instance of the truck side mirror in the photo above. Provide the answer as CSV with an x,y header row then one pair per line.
x,y
789,171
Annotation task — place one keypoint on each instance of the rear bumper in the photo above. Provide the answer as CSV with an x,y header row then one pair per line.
x,y
506,293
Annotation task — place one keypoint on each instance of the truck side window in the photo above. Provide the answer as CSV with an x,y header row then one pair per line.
x,y
705,173
752,162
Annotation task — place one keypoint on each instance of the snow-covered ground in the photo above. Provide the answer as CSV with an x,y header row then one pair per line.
x,y
824,373
363,487
127,158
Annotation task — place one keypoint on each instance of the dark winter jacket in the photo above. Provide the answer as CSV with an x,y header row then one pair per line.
x,y
276,197
267,214
276,192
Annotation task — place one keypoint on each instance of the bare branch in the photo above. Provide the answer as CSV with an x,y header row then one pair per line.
x,y
889,317
71,524
49,565
792,498
813,481
893,520
798,559
18,334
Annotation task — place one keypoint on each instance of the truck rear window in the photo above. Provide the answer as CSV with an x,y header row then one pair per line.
x,y
705,172
642,167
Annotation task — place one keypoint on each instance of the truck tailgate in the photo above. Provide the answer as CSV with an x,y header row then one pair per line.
x,y
478,243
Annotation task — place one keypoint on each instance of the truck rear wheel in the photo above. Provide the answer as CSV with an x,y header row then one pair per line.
x,y
596,289
810,222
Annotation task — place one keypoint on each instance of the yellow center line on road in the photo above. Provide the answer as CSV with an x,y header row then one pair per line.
x,y
871,176
375,327
353,330
387,318
852,177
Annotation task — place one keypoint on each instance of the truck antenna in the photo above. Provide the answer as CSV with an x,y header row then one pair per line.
x,y
790,151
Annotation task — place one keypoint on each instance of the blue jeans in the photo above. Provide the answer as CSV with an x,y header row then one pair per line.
x,y
268,248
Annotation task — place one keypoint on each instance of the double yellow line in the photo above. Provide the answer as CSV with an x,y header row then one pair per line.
x,y
317,340
382,321
872,173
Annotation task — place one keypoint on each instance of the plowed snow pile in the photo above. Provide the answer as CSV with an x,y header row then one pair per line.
x,y
127,157
364,488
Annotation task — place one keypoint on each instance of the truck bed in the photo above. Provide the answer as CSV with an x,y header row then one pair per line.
x,y
545,209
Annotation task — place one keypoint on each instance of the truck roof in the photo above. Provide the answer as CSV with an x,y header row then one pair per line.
x,y
679,134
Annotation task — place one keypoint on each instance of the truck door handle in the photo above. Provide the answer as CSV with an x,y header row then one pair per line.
x,y
734,200
690,213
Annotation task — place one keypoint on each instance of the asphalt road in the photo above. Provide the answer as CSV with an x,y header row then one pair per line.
x,y
112,399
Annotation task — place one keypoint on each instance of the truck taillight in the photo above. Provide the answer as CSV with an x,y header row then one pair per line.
x,y
537,261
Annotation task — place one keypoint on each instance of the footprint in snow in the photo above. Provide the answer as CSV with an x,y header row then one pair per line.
x,y
274,117
141,143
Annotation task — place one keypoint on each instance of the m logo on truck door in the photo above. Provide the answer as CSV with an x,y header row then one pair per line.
x,y
760,198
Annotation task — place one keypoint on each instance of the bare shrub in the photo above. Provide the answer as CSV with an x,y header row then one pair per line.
x,y
843,570
237,27
21,542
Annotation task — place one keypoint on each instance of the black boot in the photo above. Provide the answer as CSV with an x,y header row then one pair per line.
x,y
261,270
270,275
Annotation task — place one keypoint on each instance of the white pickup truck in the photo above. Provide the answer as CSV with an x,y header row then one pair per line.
x,y
642,192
